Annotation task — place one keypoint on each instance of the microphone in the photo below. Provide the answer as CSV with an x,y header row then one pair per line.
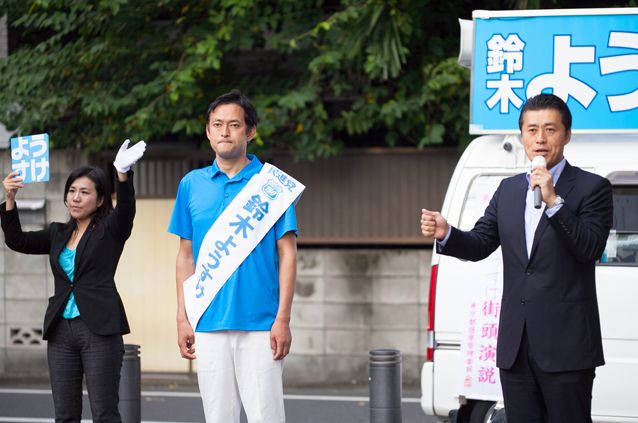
x,y
538,161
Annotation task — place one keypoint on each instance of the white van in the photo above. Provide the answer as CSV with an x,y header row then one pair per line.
x,y
486,161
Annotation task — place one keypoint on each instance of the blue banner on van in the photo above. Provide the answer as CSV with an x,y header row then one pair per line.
x,y
588,57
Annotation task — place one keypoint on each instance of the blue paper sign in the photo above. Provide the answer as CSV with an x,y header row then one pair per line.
x,y
588,57
30,157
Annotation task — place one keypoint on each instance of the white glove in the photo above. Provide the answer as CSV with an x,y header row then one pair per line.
x,y
127,157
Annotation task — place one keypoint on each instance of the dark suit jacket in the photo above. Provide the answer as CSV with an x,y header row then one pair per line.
x,y
553,293
96,258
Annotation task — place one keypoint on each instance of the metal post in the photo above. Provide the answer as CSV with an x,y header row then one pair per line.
x,y
130,385
385,386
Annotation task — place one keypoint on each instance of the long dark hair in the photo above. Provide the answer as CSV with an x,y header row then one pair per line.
x,y
102,188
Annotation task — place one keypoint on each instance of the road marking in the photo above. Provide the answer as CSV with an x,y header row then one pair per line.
x,y
291,397
29,420
25,391
42,420
340,398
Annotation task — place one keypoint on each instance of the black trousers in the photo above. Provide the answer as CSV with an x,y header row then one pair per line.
x,y
533,395
73,351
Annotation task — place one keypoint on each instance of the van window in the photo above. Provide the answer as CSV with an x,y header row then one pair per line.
x,y
622,244
479,194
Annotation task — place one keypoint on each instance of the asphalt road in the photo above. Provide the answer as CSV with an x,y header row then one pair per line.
x,y
34,405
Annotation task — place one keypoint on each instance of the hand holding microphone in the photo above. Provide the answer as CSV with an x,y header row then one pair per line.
x,y
537,162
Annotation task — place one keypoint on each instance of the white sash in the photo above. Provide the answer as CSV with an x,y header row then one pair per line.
x,y
235,233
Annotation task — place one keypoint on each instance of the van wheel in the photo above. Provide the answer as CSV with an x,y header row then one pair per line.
x,y
482,412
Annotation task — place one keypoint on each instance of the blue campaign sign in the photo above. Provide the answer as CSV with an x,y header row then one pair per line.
x,y
30,157
588,57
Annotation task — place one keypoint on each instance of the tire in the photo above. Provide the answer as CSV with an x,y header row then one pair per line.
x,y
482,412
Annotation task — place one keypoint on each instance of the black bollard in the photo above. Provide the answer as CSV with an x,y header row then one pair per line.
x,y
130,385
384,383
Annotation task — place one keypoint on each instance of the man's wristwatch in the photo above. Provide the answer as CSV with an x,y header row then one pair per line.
x,y
559,200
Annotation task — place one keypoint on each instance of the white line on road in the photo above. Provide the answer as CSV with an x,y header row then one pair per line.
x,y
291,397
25,391
42,420
30,420
339,398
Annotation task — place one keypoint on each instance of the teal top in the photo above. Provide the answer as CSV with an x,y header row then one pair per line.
x,y
67,263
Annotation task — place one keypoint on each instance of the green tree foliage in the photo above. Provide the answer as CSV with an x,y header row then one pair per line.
x,y
323,74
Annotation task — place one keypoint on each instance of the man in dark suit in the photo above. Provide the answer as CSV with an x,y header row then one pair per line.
x,y
549,341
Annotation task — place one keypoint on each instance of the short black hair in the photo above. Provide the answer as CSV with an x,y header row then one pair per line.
x,y
547,101
235,97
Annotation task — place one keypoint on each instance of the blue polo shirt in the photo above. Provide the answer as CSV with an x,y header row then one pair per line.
x,y
250,297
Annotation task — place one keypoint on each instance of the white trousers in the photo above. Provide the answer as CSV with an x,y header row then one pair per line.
x,y
235,367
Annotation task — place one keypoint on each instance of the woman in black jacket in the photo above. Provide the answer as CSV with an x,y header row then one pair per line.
x,y
85,318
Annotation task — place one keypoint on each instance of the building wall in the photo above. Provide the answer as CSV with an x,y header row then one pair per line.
x,y
360,197
146,282
347,302
370,196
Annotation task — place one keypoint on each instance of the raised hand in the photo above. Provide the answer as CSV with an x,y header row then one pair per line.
x,y
11,184
127,157
433,225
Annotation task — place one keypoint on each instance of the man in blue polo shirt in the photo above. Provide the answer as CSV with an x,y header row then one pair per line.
x,y
244,334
